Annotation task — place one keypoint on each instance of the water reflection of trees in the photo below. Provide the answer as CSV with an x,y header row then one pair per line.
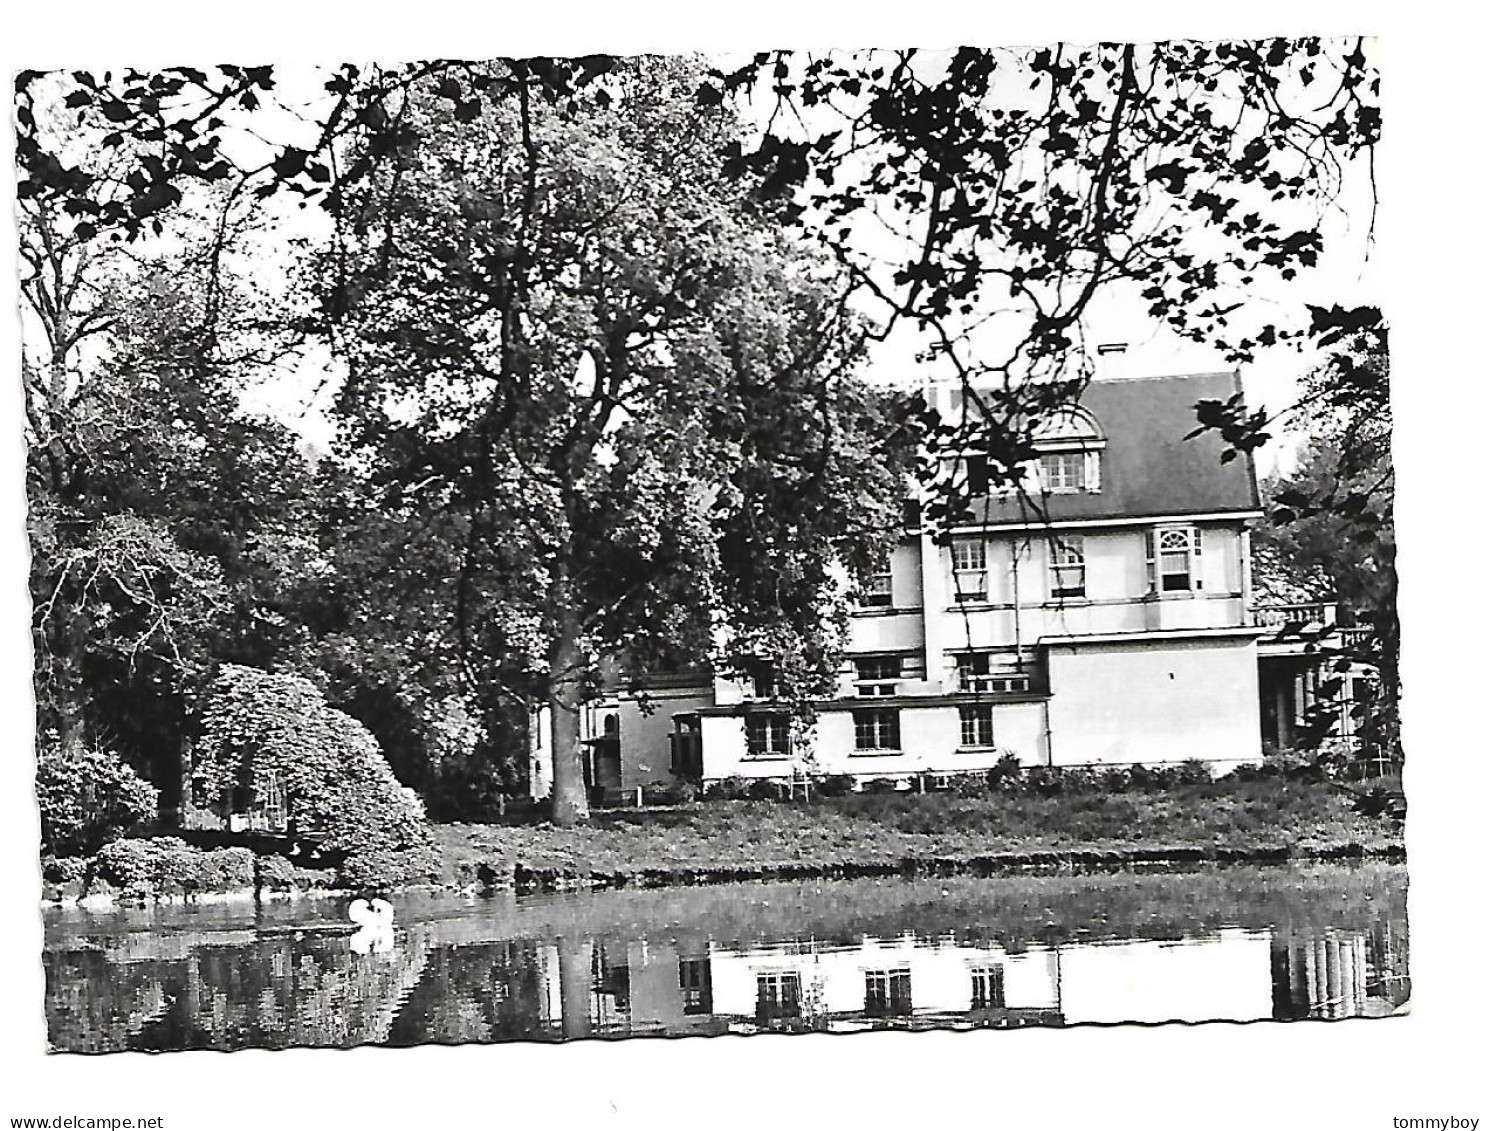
x,y
274,993
485,992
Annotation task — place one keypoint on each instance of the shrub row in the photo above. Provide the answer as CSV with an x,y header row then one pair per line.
x,y
164,866
1005,777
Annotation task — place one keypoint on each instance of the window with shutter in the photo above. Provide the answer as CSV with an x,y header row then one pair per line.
x,y
1174,560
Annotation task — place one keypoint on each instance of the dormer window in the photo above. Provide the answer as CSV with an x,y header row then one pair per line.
x,y
1063,471
1070,453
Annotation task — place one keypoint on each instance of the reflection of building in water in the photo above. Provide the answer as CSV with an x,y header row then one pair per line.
x,y
1334,974
607,989
905,982
446,983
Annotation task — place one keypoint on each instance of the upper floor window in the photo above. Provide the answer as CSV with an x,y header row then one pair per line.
x,y
762,679
970,569
1067,567
979,674
1174,560
877,675
767,736
877,729
877,590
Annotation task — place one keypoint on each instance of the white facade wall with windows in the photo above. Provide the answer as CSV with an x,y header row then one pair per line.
x,y
1111,628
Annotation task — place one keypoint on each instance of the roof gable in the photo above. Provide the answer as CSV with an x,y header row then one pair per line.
x,y
1148,466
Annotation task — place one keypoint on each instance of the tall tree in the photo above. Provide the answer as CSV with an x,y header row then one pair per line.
x,y
163,522
1331,530
593,376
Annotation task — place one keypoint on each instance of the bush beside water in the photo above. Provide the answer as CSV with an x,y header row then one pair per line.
x,y
87,797
268,729
164,867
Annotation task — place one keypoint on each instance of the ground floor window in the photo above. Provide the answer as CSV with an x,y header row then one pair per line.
x,y
988,987
887,993
877,729
977,724
697,985
767,735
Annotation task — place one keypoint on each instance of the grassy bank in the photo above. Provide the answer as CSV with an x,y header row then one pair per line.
x,y
865,833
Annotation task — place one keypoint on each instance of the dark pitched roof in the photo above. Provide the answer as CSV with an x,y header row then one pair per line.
x,y
1148,467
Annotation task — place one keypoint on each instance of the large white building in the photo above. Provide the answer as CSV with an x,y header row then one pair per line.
x,y
1113,627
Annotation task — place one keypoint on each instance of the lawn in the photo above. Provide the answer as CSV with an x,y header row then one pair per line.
x,y
882,830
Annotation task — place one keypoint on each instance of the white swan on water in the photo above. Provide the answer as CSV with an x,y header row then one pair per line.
x,y
374,921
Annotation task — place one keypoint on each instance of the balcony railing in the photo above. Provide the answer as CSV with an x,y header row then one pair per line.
x,y
994,684
1312,613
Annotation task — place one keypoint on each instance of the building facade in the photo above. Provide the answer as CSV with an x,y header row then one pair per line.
x,y
1102,617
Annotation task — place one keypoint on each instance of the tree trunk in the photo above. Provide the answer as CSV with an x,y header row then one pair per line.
x,y
571,805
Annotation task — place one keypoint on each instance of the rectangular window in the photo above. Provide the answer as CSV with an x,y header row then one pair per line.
x,y
877,729
970,569
887,993
763,680
778,996
877,675
1174,560
977,675
988,987
767,736
696,982
1067,567
977,724
877,591
1063,471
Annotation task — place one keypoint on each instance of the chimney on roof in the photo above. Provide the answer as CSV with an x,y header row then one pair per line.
x,y
1112,360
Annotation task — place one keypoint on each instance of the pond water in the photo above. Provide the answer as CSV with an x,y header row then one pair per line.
x,y
1238,944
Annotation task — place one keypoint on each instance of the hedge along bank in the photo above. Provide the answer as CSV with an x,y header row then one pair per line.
x,y
270,747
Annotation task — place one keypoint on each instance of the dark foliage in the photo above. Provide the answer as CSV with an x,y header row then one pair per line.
x,y
87,797
262,733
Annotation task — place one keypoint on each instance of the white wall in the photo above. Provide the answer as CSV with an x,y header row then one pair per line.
x,y
1117,592
1154,701
930,738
